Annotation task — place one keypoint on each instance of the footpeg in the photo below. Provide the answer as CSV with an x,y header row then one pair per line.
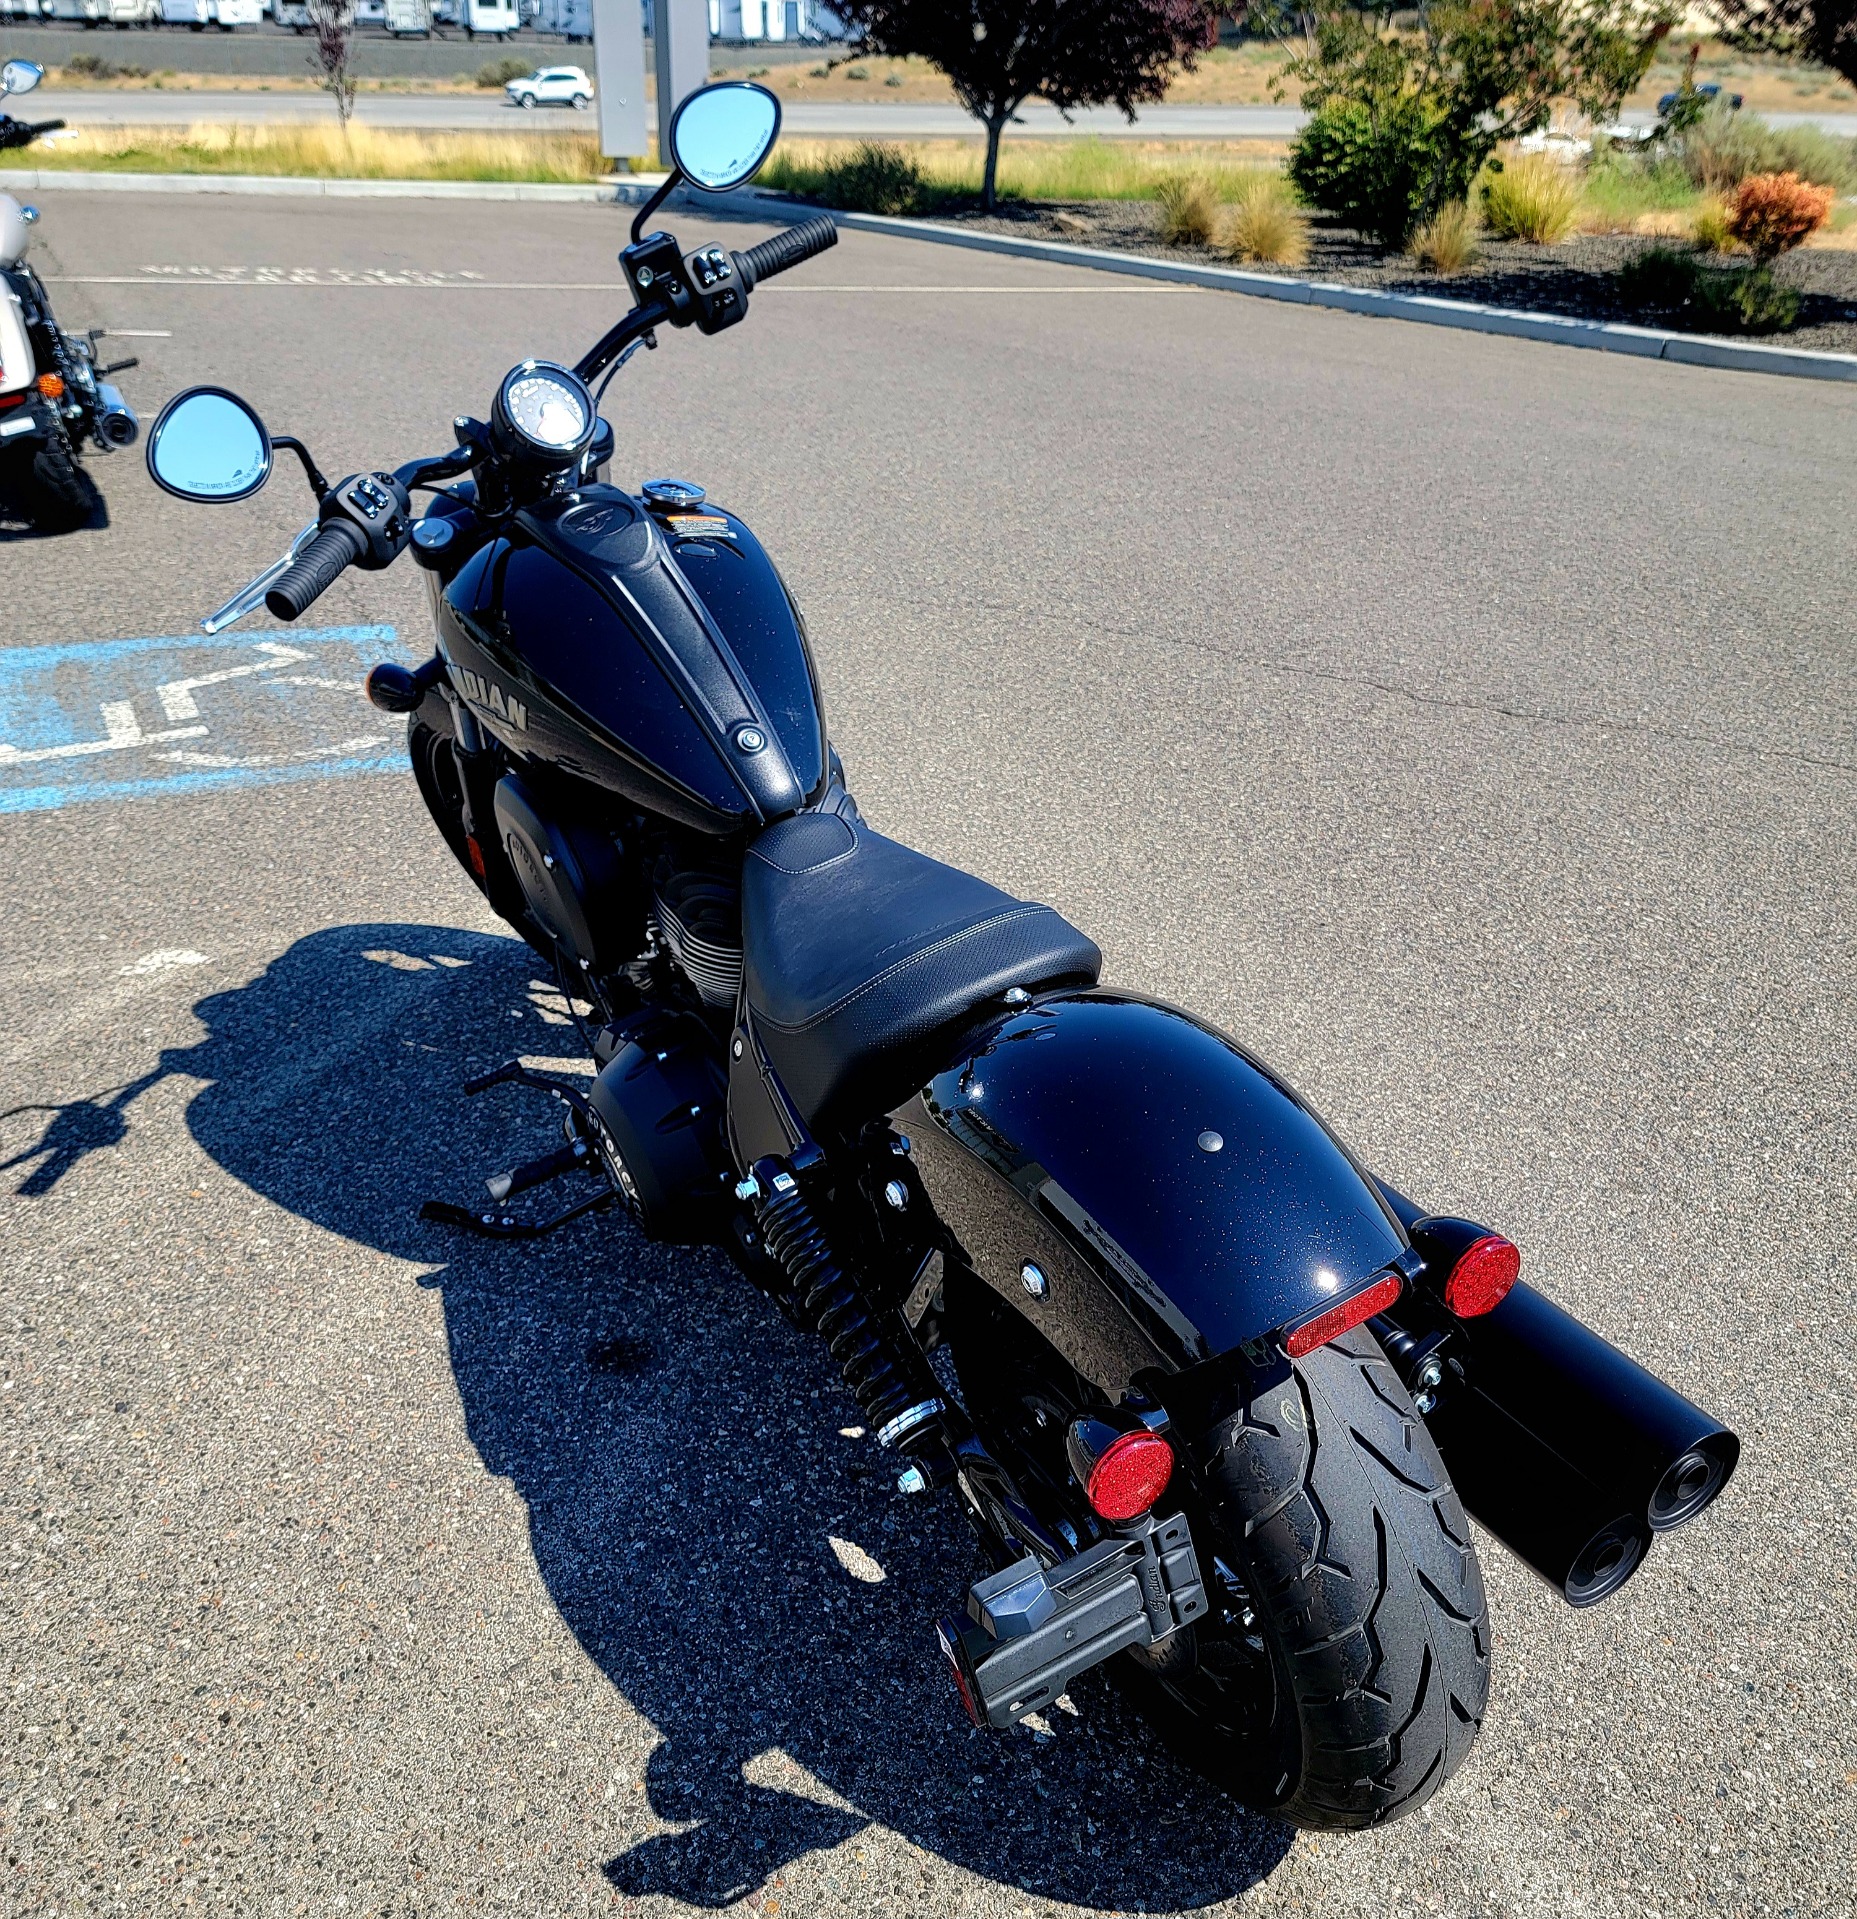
x,y
1031,1629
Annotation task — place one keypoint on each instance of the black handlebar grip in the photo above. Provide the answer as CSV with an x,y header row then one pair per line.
x,y
336,548
787,249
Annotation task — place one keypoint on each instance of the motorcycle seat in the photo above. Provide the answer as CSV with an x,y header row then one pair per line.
x,y
858,954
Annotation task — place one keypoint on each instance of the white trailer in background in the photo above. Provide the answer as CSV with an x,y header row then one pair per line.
x,y
237,13
758,20
408,19
571,19
495,19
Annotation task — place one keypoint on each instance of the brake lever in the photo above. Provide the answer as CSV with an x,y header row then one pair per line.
x,y
252,594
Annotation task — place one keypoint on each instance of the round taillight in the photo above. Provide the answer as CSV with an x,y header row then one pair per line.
x,y
1481,1279
1130,1475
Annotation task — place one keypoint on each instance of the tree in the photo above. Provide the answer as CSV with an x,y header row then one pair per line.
x,y
998,54
1820,30
334,25
1404,116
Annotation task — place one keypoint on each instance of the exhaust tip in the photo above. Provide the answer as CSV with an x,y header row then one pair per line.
x,y
119,429
1605,1562
1691,1482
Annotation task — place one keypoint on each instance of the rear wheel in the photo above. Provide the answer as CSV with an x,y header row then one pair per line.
x,y
64,497
1344,1672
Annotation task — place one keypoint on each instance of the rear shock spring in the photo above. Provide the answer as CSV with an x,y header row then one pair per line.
x,y
887,1381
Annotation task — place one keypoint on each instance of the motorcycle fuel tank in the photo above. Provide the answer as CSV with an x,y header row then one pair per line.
x,y
657,655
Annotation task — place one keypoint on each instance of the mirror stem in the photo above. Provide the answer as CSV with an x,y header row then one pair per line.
x,y
671,180
318,485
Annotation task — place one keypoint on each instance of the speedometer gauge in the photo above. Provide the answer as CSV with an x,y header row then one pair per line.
x,y
546,411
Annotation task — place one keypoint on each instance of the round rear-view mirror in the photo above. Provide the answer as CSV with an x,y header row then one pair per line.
x,y
209,445
20,76
721,135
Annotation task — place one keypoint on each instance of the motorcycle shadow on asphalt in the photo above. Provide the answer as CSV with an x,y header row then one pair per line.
x,y
680,1450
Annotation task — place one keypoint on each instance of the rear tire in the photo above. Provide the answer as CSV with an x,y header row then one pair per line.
x,y
1342,1675
63,496
1359,1685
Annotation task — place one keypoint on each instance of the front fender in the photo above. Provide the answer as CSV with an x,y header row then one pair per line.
x,y
1177,1198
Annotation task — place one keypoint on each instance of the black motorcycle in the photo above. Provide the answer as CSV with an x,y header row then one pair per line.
x,y
54,397
1215,1399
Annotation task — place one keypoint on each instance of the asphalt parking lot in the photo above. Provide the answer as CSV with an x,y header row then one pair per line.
x,y
1463,722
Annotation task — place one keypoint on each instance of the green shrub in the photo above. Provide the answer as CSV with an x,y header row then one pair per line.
x,y
1723,148
498,73
1189,211
1376,172
1623,186
1532,198
1678,286
872,178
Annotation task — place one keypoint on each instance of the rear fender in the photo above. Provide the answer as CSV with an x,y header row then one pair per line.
x,y
1174,1198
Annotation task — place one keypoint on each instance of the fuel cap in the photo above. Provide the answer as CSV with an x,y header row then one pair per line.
x,y
675,495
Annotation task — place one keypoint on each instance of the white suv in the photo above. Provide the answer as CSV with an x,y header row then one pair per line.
x,y
551,87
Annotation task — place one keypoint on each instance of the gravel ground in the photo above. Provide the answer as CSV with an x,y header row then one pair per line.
x,y
1574,278
1380,693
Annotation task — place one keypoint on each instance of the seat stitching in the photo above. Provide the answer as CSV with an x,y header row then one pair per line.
x,y
910,959
798,872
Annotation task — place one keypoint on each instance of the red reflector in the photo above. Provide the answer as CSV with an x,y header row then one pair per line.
x,y
1340,1319
1481,1279
11,400
1130,1476
477,856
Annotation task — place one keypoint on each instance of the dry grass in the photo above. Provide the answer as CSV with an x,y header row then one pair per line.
x,y
1709,228
1447,242
1042,169
1266,227
322,152
1189,210
1533,198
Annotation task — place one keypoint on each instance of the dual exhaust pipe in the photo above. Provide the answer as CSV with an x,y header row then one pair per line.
x,y
1570,1452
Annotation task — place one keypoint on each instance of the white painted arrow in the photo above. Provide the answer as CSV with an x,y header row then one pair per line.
x,y
176,696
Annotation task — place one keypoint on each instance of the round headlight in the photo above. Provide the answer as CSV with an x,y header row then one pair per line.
x,y
546,411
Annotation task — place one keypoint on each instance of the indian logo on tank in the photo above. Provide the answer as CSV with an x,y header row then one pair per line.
x,y
491,697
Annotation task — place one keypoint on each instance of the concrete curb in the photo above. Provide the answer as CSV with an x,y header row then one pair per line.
x,y
1648,343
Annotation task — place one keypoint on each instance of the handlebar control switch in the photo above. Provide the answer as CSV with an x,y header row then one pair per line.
x,y
376,506
721,299
654,270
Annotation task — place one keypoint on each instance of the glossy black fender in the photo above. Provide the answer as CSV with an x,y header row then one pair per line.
x,y
1175,1197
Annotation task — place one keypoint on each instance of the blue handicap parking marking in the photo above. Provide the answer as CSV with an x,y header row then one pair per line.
x,y
126,719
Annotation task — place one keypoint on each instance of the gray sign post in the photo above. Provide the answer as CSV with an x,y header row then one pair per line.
x,y
619,61
680,33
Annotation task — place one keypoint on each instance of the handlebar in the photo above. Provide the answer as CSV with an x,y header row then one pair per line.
x,y
786,250
336,548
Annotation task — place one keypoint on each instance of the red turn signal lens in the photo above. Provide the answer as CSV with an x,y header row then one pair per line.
x,y
1343,1318
1130,1476
1481,1279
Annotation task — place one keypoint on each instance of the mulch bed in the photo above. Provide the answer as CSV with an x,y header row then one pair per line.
x,y
1574,278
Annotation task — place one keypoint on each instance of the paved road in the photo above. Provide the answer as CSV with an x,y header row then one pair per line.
x,y
95,108
1465,722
